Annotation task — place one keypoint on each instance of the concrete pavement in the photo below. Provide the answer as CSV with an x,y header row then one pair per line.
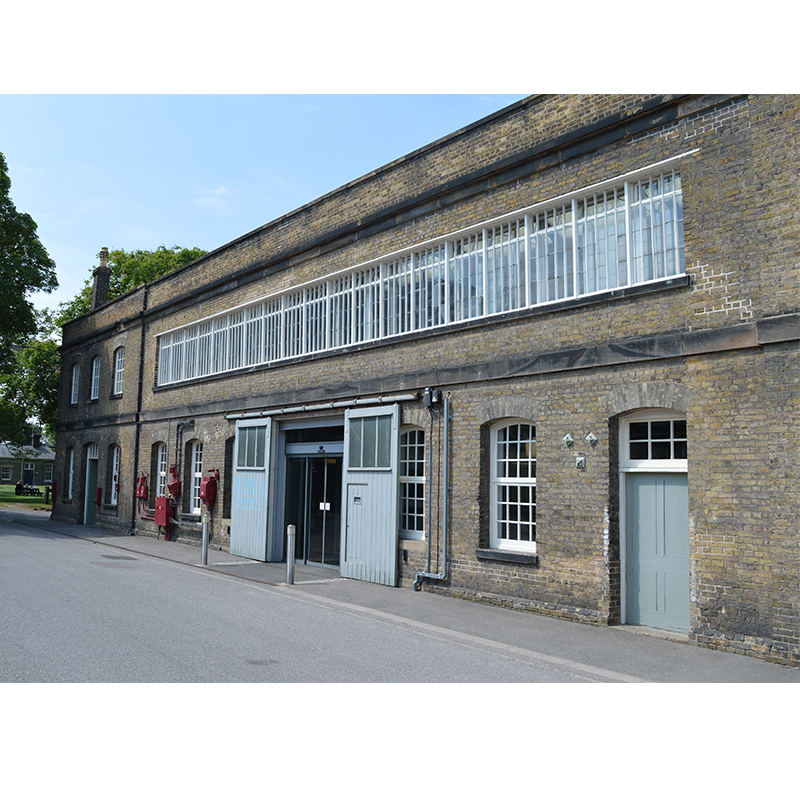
x,y
618,653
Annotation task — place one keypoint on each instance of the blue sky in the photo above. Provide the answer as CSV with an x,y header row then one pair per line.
x,y
138,171
181,124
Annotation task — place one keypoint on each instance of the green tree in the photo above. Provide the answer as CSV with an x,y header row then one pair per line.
x,y
25,267
31,385
129,270
12,422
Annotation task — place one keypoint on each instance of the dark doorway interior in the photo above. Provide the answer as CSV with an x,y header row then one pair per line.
x,y
313,505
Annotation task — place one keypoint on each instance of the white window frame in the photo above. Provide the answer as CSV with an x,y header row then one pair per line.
x,y
94,392
196,505
521,484
545,253
252,449
119,369
413,483
70,473
161,470
375,456
5,473
48,473
628,464
116,453
76,374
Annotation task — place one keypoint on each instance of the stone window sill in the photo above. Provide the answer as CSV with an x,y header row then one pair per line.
x,y
531,559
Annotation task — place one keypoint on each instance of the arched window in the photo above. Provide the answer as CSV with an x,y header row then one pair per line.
x,y
119,369
76,374
158,472
114,458
94,392
513,489
161,469
196,475
69,473
412,483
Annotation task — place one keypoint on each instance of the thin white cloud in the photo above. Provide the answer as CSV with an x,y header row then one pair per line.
x,y
272,179
214,199
30,170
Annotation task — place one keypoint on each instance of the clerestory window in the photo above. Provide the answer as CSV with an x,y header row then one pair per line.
x,y
616,234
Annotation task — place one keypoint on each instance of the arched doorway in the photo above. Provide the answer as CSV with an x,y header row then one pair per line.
x,y
654,508
89,505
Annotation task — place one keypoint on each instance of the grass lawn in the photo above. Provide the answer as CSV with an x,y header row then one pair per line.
x,y
8,498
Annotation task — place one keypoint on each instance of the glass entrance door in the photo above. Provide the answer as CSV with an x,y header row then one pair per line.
x,y
313,505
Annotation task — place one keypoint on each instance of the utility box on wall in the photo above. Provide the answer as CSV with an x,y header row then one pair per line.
x,y
163,511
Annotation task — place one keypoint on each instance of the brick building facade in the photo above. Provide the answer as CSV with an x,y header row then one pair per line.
x,y
549,361
35,468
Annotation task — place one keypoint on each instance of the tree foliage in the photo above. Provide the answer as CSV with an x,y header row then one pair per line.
x,y
29,389
25,267
31,385
129,270
12,422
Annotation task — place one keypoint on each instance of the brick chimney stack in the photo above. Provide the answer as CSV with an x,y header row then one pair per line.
x,y
101,280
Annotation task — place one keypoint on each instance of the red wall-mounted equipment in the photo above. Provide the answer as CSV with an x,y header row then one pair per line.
x,y
163,514
174,486
163,511
208,488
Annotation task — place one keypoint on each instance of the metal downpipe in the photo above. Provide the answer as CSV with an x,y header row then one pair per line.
x,y
440,576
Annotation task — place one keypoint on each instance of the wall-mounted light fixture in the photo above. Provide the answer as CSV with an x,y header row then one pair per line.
x,y
591,439
580,462
568,440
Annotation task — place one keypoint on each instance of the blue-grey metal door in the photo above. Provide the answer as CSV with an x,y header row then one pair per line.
x,y
251,484
657,550
370,494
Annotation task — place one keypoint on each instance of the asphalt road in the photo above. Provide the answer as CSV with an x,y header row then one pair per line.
x,y
75,610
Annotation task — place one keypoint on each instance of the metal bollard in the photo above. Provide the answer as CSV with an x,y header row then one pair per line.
x,y
290,534
204,551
